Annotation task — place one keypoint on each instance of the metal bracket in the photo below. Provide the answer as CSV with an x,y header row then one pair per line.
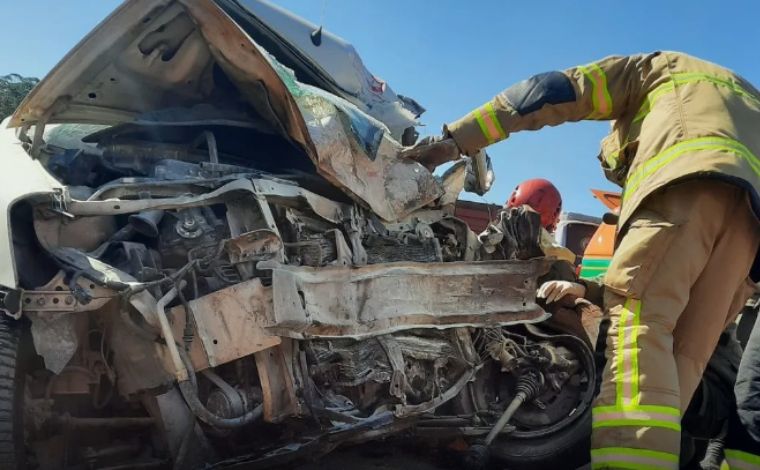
x,y
59,203
57,296
255,245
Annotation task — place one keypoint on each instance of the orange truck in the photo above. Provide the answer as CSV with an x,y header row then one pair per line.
x,y
598,251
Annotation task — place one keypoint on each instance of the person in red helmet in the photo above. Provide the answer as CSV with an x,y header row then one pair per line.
x,y
542,196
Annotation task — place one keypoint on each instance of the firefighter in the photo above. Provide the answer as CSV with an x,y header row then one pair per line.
x,y
543,197
743,441
684,146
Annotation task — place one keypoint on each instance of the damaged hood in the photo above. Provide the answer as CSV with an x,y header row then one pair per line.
x,y
156,54
325,60
152,55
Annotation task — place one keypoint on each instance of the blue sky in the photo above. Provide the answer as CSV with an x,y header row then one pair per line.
x,y
452,56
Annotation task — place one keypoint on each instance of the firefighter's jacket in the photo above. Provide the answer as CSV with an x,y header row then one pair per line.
x,y
550,247
675,117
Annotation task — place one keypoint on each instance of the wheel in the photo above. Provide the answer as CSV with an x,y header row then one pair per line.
x,y
567,448
12,451
559,435
552,430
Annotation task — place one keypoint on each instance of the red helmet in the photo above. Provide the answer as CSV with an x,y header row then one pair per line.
x,y
542,196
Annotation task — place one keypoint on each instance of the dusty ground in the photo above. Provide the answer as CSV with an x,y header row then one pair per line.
x,y
383,456
396,455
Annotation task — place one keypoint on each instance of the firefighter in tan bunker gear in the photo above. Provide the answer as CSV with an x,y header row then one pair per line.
x,y
684,146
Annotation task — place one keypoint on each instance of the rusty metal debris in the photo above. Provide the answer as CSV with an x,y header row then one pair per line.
x,y
385,298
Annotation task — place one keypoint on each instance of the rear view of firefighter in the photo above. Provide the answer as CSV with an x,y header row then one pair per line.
x,y
684,147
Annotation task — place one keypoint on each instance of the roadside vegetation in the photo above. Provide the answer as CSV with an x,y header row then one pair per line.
x,y
13,89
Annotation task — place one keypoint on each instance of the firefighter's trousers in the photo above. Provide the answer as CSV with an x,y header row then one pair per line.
x,y
678,277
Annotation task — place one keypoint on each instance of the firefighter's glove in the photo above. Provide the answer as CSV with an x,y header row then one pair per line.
x,y
433,151
553,291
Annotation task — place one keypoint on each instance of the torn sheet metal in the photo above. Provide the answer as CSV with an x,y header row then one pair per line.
x,y
277,382
137,358
380,299
55,339
356,153
229,323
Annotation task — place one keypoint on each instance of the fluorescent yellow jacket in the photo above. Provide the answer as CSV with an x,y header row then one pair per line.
x,y
676,117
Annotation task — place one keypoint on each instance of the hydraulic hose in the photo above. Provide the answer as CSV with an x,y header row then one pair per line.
x,y
189,390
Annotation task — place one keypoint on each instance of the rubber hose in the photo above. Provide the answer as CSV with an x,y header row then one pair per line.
x,y
191,397
190,394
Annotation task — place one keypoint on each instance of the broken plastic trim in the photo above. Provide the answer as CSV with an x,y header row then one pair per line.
x,y
10,301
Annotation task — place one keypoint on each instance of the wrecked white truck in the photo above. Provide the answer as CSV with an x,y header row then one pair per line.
x,y
213,257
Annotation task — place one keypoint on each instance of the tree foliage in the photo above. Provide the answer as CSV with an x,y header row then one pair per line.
x,y
13,89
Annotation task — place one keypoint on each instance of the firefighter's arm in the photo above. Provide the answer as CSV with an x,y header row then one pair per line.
x,y
602,90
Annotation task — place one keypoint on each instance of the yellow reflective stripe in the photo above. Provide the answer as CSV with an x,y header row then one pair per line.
x,y
626,360
650,99
600,95
634,353
690,77
606,108
629,458
482,125
740,460
642,416
492,114
628,410
679,149
642,423
624,465
661,409
619,378
489,124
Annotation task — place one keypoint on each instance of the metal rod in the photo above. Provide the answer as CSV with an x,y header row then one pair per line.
x,y
180,372
528,386
505,417
96,423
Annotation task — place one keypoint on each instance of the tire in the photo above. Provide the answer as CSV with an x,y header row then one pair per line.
x,y
565,449
12,451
